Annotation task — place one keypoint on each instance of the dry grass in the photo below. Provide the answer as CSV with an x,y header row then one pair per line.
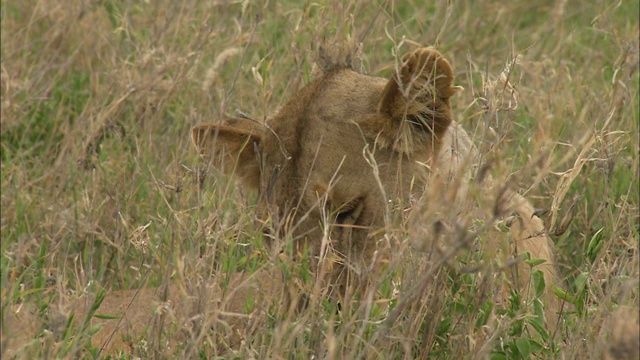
x,y
101,189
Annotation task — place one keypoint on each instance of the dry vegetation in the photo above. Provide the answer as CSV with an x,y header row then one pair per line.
x,y
101,189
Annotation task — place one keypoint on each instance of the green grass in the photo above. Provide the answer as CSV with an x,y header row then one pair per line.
x,y
98,99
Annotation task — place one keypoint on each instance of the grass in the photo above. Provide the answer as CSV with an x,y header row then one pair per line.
x,y
102,190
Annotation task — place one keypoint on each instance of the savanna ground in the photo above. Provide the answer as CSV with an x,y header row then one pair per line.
x,y
101,189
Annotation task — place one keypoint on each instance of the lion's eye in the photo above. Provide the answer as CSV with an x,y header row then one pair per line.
x,y
344,217
349,213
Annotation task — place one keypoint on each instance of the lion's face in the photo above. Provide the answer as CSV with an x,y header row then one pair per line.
x,y
343,152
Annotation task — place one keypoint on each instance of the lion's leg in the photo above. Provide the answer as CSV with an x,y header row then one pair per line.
x,y
529,236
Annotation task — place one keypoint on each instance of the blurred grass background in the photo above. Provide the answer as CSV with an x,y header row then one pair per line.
x,y
101,189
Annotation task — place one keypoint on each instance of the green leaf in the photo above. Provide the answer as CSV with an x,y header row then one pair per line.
x,y
595,245
535,262
581,290
485,312
31,291
562,294
502,227
581,282
69,327
538,282
102,293
523,347
444,326
94,329
537,323
535,346
39,281
106,316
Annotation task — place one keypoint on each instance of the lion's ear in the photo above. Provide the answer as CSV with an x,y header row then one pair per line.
x,y
414,109
232,147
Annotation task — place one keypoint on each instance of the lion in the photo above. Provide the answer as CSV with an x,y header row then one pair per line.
x,y
331,168
350,148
